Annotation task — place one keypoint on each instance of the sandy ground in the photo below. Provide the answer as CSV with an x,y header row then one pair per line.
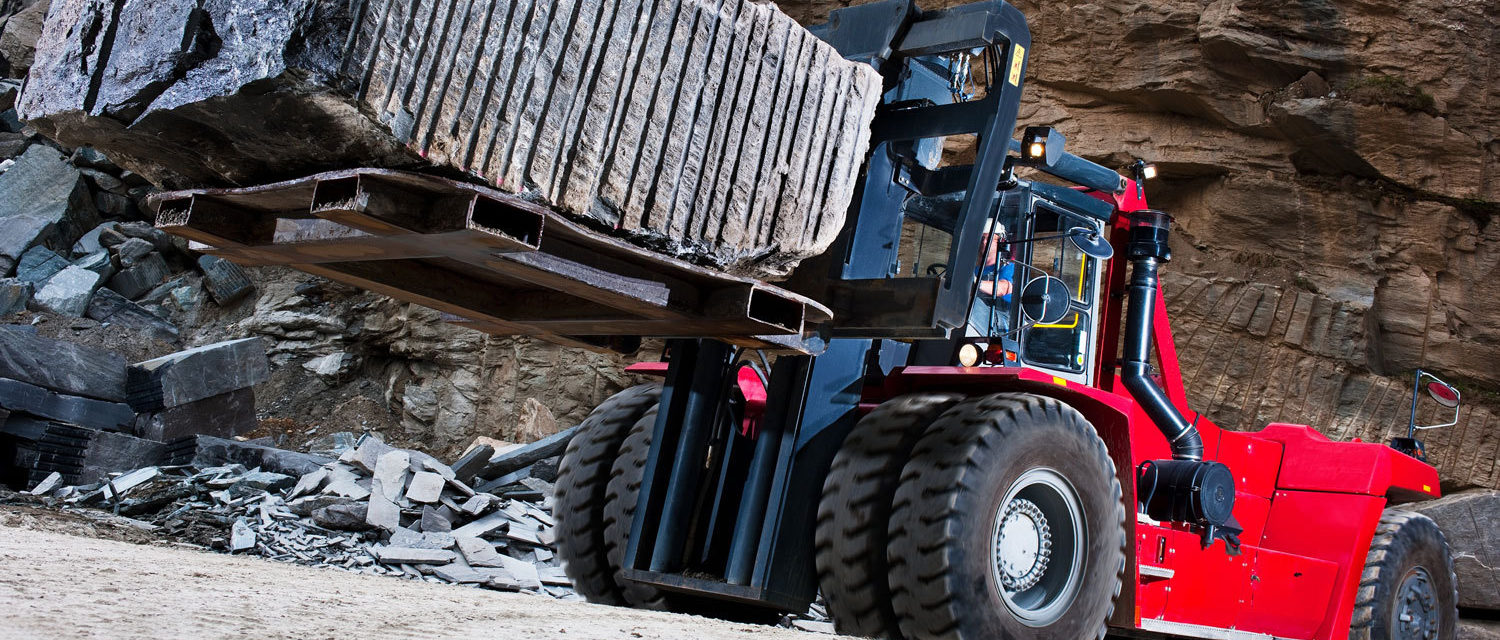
x,y
57,585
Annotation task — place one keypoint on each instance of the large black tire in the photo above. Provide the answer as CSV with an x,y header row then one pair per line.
x,y
582,477
855,510
619,511
1011,450
1408,574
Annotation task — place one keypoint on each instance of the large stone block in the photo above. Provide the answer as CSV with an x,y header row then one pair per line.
x,y
720,131
46,202
140,277
17,396
197,373
61,366
38,264
225,415
1471,523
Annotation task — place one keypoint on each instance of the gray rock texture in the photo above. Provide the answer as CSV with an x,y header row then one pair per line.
x,y
68,293
1471,522
669,122
61,366
197,374
225,415
97,414
38,264
13,295
46,203
111,307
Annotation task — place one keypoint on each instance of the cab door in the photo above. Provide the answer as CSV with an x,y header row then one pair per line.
x,y
1064,348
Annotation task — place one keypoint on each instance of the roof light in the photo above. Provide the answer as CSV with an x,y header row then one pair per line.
x,y
1149,171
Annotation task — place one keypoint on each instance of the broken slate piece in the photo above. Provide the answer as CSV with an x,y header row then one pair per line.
x,y
47,203
391,473
241,537
109,306
472,461
265,480
524,572
141,276
46,485
38,264
479,503
197,373
100,262
382,512
426,487
482,526
209,451
403,537
433,521
343,517
131,250
68,293
13,295
88,243
309,483
553,576
408,555
478,552
225,280
458,574
367,453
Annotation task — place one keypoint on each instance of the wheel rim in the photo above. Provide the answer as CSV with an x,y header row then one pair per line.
x,y
1415,615
1037,547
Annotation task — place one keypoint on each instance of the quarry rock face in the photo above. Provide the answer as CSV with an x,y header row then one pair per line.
x,y
722,132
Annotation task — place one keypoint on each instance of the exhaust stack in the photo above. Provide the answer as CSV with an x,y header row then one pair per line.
x,y
1148,249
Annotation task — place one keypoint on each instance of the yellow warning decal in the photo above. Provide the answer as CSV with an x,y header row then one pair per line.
x,y
1426,488
1017,58
1059,381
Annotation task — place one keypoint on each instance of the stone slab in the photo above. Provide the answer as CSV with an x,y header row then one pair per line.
x,y
225,415
224,280
61,366
140,277
210,451
68,293
113,308
197,373
38,264
17,396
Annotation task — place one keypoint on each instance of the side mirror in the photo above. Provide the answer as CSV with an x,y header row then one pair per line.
x,y
1091,243
1441,392
1045,300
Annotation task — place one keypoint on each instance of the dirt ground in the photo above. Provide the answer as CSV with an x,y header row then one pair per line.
x,y
72,584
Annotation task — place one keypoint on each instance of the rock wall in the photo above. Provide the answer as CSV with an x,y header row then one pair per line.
x,y
1332,167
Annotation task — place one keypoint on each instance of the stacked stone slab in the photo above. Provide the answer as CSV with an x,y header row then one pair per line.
x,y
720,131
203,390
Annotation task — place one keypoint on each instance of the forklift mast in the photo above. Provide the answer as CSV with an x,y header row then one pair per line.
x,y
730,488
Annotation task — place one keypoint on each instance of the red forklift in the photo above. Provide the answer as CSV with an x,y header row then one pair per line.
x,y
990,438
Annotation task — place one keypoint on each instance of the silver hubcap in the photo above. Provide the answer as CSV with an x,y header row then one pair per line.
x,y
1038,544
1415,614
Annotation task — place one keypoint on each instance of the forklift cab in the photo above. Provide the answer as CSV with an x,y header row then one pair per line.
x,y
1035,295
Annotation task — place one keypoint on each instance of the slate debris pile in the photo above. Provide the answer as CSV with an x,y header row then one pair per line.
x,y
74,241
376,509
83,413
719,131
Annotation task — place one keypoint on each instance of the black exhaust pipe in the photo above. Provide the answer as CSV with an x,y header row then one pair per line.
x,y
1148,248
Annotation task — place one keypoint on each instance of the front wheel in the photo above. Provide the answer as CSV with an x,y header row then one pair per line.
x,y
1008,522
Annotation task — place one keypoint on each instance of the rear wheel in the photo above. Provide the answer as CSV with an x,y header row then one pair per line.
x,y
855,510
582,478
1008,522
1408,590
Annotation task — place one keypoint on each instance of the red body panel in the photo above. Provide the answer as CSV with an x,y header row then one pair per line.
x,y
1308,505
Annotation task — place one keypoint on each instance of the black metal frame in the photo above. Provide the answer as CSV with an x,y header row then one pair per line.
x,y
745,534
